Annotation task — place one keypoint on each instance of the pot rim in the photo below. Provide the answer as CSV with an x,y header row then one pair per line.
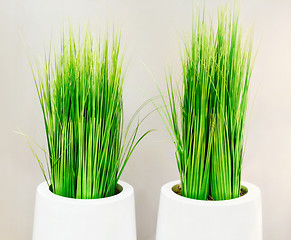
x,y
127,191
252,194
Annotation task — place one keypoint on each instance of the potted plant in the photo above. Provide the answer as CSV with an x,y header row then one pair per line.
x,y
80,93
210,201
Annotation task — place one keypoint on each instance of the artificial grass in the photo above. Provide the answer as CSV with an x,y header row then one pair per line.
x,y
206,117
80,93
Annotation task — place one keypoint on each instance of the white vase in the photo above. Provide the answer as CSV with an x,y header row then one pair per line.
x,y
61,218
190,219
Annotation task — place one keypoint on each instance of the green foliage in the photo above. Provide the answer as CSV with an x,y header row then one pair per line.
x,y
234,67
208,126
80,93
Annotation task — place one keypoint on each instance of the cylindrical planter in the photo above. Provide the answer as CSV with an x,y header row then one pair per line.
x,y
61,218
189,219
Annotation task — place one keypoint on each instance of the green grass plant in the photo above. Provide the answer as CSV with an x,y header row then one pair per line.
x,y
234,67
206,117
80,93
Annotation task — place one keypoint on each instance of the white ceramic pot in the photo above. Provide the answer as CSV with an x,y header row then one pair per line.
x,y
189,219
61,218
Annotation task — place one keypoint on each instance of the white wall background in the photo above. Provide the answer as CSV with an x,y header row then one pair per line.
x,y
152,30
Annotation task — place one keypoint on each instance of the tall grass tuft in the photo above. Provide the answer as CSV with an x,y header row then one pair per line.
x,y
233,61
80,94
206,117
